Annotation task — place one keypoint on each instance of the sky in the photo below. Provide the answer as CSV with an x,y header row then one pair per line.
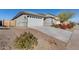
x,y
8,14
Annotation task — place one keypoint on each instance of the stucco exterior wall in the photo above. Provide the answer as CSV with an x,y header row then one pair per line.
x,y
48,22
21,20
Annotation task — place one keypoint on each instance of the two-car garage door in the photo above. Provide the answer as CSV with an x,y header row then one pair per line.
x,y
35,22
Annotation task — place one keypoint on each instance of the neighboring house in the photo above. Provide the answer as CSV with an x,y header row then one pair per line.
x,y
31,19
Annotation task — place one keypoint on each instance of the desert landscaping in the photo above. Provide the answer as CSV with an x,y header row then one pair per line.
x,y
45,42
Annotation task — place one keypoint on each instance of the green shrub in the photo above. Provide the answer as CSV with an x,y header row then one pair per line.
x,y
26,41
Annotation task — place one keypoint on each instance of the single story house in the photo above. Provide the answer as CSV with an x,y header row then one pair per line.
x,y
27,19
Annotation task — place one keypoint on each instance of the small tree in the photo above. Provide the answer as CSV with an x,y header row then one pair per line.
x,y
65,16
26,41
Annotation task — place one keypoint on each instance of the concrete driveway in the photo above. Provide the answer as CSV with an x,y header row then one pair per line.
x,y
59,34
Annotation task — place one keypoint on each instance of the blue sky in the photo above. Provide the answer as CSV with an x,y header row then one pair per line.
x,y
10,13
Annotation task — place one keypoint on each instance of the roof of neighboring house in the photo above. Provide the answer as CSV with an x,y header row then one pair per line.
x,y
34,14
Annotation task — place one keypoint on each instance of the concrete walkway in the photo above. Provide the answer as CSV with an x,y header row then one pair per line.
x,y
59,34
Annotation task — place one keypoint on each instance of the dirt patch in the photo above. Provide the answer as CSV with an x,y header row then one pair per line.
x,y
45,42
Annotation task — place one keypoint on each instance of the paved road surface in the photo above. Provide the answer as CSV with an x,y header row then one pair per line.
x,y
74,42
